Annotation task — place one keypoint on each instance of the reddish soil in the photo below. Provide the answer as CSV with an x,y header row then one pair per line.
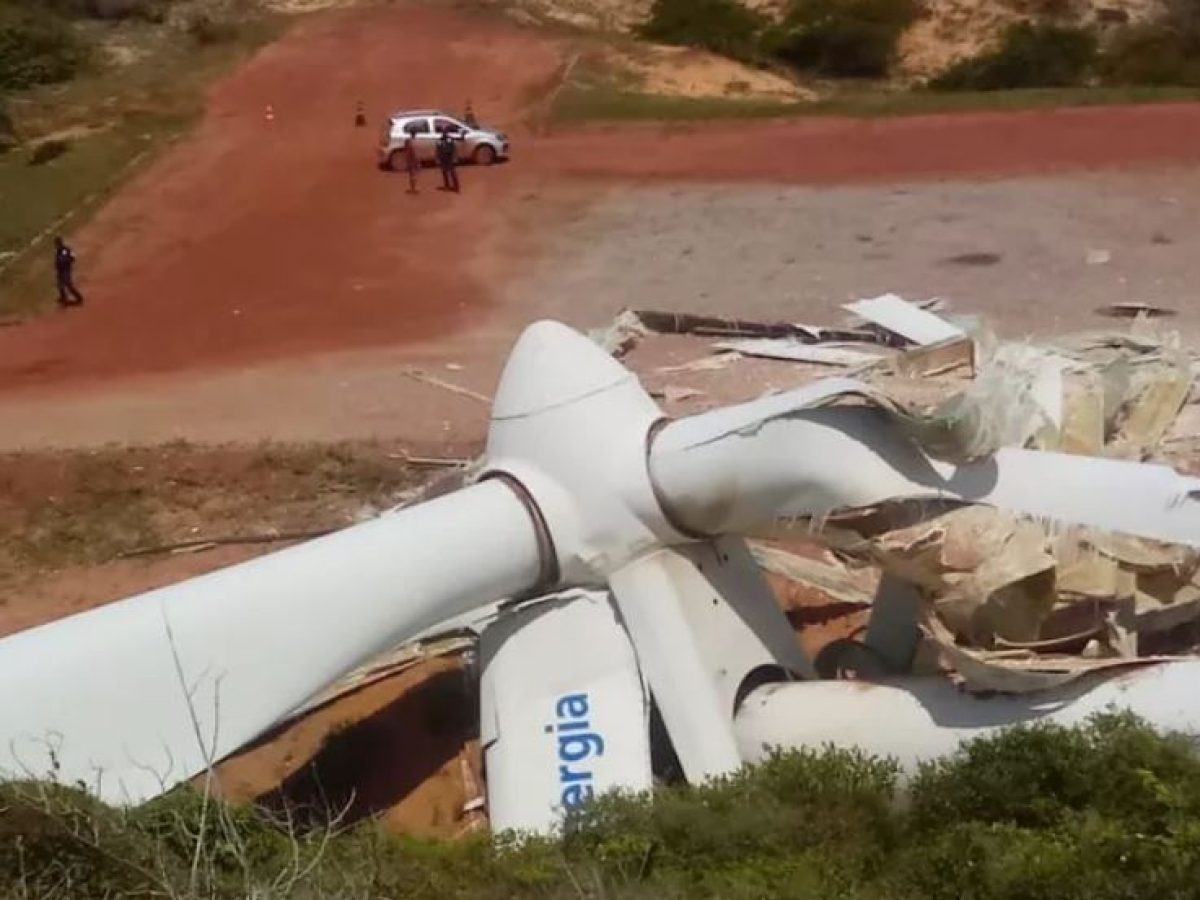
x,y
839,150
395,750
253,240
257,238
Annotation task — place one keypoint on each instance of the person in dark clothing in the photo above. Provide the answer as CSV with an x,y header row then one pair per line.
x,y
469,116
447,157
64,267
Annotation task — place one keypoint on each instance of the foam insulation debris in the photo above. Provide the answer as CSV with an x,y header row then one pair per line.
x,y
1006,604
1002,603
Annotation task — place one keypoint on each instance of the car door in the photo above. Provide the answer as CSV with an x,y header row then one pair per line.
x,y
460,131
422,134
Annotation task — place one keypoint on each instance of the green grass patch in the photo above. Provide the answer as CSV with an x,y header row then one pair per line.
x,y
112,120
581,103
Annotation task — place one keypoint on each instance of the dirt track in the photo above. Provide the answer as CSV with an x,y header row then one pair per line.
x,y
255,240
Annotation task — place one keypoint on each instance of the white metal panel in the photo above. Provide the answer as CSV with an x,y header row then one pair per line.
x,y
702,620
788,349
564,712
571,424
133,697
906,319
753,468
652,594
918,719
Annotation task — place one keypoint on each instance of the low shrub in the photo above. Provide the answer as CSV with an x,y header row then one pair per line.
x,y
1149,54
1106,811
722,26
799,803
206,30
846,38
47,151
37,48
8,131
105,10
1029,56
1040,776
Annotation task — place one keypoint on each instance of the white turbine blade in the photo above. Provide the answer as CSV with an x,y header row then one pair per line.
x,y
133,697
913,720
564,714
650,595
705,624
748,468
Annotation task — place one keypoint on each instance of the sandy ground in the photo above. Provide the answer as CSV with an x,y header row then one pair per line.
x,y
1014,251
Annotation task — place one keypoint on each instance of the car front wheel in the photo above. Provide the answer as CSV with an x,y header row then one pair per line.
x,y
484,155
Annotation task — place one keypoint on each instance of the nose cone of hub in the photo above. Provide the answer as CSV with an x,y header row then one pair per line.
x,y
550,366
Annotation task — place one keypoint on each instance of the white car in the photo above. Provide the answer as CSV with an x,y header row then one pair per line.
x,y
480,145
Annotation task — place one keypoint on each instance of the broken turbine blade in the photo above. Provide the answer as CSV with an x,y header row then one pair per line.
x,y
134,697
757,467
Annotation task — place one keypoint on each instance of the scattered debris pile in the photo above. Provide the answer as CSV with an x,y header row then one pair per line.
x,y
1006,604
996,602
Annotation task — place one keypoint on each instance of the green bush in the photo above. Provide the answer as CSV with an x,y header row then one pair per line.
x,y
47,151
848,38
827,810
1149,54
1106,811
1029,56
1041,776
105,10
37,48
722,26
205,29
8,131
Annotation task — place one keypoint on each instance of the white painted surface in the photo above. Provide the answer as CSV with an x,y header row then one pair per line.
x,y
564,713
753,468
795,351
906,319
571,424
917,719
133,697
652,594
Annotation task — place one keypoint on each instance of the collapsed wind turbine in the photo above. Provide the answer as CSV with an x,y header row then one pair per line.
x,y
587,485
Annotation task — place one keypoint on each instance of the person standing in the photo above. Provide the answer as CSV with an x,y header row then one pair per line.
x,y
411,162
447,157
469,116
64,271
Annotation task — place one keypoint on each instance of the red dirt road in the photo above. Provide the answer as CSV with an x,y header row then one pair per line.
x,y
255,240
840,150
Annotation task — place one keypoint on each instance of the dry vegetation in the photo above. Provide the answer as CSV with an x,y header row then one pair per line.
x,y
74,512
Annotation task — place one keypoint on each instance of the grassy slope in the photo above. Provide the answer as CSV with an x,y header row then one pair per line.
x,y
115,119
590,99
595,91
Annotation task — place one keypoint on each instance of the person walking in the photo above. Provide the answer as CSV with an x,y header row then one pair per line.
x,y
64,269
411,163
447,157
